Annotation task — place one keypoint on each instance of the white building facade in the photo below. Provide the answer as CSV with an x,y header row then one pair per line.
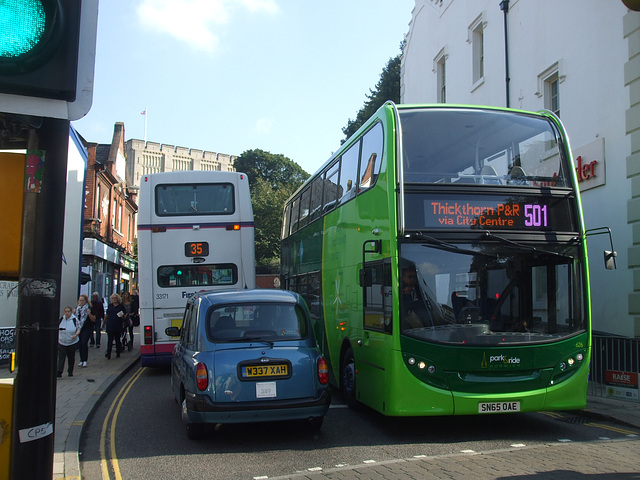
x,y
578,58
144,158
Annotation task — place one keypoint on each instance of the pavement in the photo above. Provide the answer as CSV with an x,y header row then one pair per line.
x,y
78,396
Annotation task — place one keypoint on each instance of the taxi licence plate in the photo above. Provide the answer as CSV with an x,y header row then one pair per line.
x,y
498,407
260,371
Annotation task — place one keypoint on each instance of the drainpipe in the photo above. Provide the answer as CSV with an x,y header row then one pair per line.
x,y
504,6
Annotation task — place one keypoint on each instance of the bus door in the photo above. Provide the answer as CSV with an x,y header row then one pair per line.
x,y
373,351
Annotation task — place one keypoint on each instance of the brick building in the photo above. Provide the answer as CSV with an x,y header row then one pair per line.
x,y
109,219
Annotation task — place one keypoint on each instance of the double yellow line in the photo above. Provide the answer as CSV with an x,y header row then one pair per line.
x,y
109,426
623,431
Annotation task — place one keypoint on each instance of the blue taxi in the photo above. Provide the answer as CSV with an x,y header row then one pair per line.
x,y
248,356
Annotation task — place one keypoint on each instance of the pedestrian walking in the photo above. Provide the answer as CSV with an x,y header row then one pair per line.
x,y
68,332
97,310
86,327
131,309
114,320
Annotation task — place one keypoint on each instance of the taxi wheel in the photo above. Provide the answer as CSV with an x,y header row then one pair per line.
x,y
315,423
195,431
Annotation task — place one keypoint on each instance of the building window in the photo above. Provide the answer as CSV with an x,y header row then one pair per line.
x,y
551,94
440,69
477,44
442,81
98,212
549,87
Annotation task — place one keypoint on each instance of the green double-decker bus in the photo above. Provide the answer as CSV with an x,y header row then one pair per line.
x,y
442,254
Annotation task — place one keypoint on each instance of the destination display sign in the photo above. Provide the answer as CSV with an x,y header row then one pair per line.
x,y
196,249
493,212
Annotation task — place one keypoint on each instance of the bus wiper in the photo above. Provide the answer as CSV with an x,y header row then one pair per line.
x,y
441,244
570,243
521,246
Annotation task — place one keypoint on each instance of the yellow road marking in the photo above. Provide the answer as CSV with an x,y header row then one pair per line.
x,y
612,428
552,414
117,403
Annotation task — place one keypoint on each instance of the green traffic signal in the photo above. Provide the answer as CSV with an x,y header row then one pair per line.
x,y
47,51
22,26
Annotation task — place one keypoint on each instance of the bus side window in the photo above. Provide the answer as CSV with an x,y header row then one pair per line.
x,y
349,172
316,199
285,221
376,297
295,215
304,207
371,157
331,187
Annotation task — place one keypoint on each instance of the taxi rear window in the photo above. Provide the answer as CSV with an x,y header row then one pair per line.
x,y
257,321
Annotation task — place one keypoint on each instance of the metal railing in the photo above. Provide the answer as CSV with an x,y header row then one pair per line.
x,y
611,353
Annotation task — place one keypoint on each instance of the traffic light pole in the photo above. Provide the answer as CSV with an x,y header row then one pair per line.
x,y
32,430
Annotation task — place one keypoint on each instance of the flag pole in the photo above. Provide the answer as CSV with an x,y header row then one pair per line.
x,y
144,113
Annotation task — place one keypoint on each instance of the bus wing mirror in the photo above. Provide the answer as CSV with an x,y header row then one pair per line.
x,y
172,331
610,259
372,246
609,255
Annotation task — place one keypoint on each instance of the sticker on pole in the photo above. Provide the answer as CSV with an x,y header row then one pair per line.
x,y
35,433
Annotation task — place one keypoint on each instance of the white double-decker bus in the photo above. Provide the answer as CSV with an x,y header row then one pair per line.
x,y
195,232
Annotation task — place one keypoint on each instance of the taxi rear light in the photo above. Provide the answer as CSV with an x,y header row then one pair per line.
x,y
323,371
202,378
148,335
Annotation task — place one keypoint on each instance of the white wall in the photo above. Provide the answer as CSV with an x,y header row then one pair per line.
x,y
585,39
73,222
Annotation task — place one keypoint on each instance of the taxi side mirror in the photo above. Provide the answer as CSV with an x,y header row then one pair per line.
x,y
172,331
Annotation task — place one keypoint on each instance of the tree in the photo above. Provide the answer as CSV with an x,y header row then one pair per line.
x,y
387,88
275,169
272,179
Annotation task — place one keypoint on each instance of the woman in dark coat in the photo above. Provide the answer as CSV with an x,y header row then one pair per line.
x,y
114,320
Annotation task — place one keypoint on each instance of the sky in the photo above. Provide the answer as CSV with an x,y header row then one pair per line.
x,y
228,76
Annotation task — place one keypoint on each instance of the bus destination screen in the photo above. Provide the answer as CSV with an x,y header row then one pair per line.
x,y
196,249
488,212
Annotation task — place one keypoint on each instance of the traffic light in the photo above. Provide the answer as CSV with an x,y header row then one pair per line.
x,y
47,52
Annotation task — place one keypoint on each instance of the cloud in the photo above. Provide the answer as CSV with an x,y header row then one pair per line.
x,y
194,21
264,125
256,6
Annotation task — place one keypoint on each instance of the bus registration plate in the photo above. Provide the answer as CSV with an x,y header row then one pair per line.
x,y
258,371
498,407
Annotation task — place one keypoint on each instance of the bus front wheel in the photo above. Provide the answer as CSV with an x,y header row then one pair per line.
x,y
348,379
